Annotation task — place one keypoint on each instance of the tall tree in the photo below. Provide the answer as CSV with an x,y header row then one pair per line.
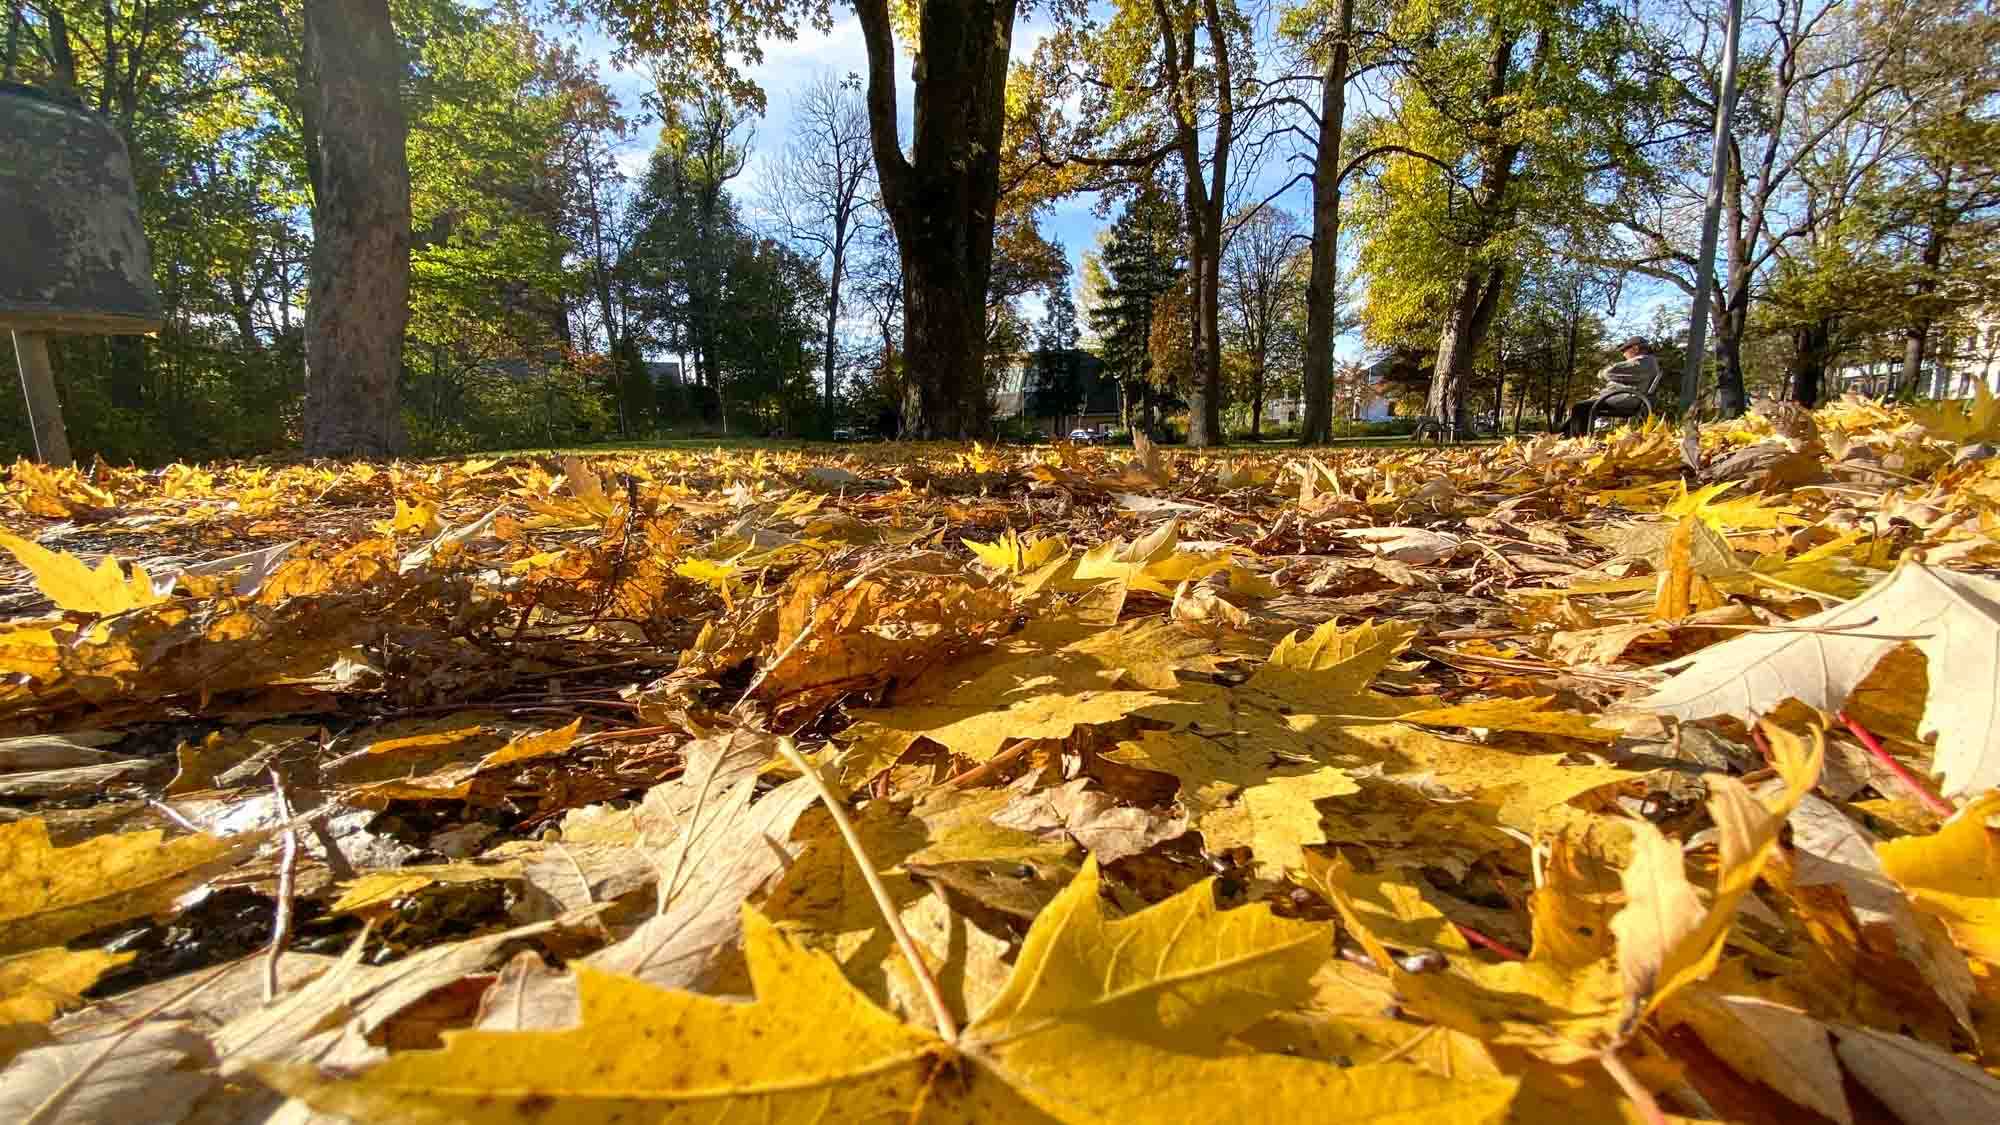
x,y
1141,265
941,195
1162,81
1260,289
1339,41
1507,117
1058,387
820,192
1943,201
1810,72
360,269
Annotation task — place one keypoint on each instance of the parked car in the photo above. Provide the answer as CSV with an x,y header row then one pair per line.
x,y
843,434
1085,437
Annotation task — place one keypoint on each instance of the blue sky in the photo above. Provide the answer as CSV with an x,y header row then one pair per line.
x,y
789,66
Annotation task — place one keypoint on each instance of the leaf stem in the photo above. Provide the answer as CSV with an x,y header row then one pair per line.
x,y
947,1025
1923,793
1642,1098
1490,944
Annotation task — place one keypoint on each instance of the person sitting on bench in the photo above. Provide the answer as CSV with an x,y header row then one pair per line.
x,y
1635,373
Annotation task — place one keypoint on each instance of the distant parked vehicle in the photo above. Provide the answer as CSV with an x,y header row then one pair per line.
x,y
844,434
1085,437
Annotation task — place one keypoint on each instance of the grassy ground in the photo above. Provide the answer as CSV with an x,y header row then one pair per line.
x,y
1391,441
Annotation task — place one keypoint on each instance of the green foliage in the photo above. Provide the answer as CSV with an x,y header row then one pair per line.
x,y
1057,387
1504,122
1141,263
207,98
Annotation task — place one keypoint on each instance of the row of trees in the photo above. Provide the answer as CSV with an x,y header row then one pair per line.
x,y
1516,161
419,203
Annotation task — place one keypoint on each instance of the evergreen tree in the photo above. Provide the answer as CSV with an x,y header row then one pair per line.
x,y
1058,386
1141,266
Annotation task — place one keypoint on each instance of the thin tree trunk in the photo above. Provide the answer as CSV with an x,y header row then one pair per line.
x,y
359,302
833,311
1322,273
1916,337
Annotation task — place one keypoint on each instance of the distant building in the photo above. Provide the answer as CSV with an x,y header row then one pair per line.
x,y
1015,381
1955,363
1360,394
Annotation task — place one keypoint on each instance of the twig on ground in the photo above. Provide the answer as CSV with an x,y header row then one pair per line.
x,y
288,870
989,768
173,814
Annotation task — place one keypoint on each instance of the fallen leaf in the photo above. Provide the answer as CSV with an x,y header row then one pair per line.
x,y
1105,828
1781,1047
1183,975
726,848
134,1075
49,894
1921,1084
1667,938
1955,875
35,986
1953,618
67,581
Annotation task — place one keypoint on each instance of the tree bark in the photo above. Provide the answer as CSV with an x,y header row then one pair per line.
x,y
1205,217
359,294
1322,272
833,308
1809,353
941,198
1916,337
1476,295
1474,300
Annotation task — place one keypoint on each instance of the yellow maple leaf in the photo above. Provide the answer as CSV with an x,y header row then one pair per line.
x,y
1666,939
1962,422
70,582
49,895
1102,1021
34,986
420,518
1954,873
1152,563
1953,618
1563,1012
1049,680
1528,714
1254,762
1010,554
1741,513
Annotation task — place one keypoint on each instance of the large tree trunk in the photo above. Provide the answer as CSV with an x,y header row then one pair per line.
x,y
1476,296
359,296
1916,337
1474,300
1809,353
1205,277
941,199
1322,273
